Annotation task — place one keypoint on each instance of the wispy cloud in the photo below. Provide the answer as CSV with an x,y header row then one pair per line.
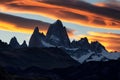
x,y
19,24
109,40
24,25
74,11
113,4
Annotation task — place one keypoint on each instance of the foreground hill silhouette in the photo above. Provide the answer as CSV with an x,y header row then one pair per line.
x,y
88,71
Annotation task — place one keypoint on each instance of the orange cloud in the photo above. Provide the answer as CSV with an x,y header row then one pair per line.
x,y
111,4
109,40
24,25
19,24
73,11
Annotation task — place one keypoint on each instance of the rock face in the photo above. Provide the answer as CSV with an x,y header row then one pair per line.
x,y
57,35
35,40
4,46
14,43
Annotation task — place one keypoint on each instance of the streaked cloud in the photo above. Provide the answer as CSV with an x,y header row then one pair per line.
x,y
113,4
24,25
101,15
109,40
19,24
74,11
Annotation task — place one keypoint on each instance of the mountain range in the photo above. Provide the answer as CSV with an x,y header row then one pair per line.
x,y
54,57
56,36
80,50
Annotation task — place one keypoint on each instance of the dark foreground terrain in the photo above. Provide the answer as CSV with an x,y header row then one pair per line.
x,y
52,64
88,71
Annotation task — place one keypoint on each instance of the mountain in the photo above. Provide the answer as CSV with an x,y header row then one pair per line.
x,y
14,43
45,58
4,46
82,43
57,35
35,40
96,47
24,44
92,56
54,57
81,50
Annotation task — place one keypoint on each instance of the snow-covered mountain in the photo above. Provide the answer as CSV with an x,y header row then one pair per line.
x,y
80,50
93,51
102,56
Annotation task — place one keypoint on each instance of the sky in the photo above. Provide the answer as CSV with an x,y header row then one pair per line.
x,y
98,20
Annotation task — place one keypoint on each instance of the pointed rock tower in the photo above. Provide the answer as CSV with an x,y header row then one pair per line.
x,y
14,43
24,44
57,35
35,40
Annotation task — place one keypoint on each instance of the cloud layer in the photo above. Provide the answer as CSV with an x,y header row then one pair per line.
x,y
101,15
74,11
19,24
24,25
110,40
113,4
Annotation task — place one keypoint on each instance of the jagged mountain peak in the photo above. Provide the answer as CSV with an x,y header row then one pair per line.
x,y
97,46
24,44
36,30
57,34
13,39
14,43
82,43
96,43
84,39
35,40
58,23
